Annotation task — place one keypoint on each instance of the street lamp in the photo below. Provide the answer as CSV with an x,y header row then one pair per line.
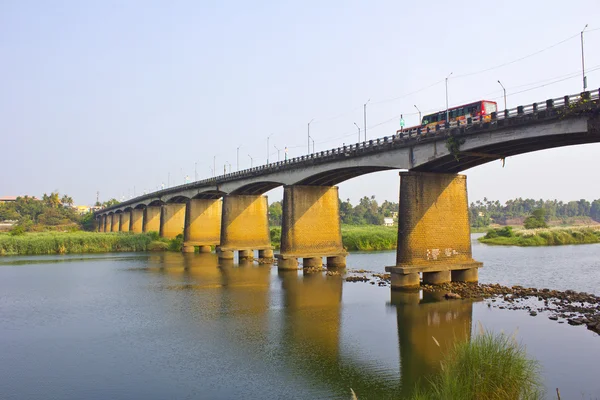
x,y
358,132
308,141
582,60
365,116
504,89
268,147
447,120
313,141
420,120
251,160
278,150
237,158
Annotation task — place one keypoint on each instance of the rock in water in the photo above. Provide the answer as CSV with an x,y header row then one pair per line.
x,y
451,296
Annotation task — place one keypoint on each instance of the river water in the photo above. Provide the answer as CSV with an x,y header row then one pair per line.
x,y
179,326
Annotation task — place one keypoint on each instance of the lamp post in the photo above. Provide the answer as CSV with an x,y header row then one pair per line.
x,y
237,158
365,118
447,97
278,150
308,139
251,160
358,132
313,141
268,147
582,61
504,89
420,120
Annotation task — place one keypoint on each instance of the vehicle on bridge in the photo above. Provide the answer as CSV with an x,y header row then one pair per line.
x,y
479,109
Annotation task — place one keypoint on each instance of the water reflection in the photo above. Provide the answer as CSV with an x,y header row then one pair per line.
x,y
428,326
301,327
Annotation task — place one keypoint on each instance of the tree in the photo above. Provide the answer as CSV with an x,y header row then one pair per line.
x,y
110,203
537,219
66,200
275,213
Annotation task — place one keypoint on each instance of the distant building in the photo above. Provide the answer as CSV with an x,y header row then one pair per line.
x,y
388,221
82,209
6,199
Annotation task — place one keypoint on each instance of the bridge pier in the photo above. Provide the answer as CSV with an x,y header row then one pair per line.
x,y
244,226
433,231
116,221
101,222
311,227
151,219
108,223
137,221
125,221
172,220
202,224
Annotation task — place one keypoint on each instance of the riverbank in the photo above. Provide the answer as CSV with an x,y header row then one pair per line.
x,y
541,237
73,242
357,237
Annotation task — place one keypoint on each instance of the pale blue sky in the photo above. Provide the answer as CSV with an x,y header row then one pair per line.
x,y
108,95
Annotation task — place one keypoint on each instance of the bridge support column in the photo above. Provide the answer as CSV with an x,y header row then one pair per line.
x,y
101,222
172,220
433,231
137,221
125,221
311,227
151,219
116,221
108,223
202,224
244,225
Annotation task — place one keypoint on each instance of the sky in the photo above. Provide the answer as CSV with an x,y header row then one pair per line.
x,y
114,98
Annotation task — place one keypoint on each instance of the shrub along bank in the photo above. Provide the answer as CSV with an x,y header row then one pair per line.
x,y
73,242
541,237
357,237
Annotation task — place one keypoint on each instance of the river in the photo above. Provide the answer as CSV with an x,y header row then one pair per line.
x,y
178,326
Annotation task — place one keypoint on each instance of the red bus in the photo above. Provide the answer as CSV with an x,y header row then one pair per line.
x,y
482,108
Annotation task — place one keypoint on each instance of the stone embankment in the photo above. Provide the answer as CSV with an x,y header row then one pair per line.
x,y
575,308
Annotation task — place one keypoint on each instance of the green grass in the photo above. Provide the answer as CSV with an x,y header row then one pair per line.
x,y
73,242
493,367
357,237
543,236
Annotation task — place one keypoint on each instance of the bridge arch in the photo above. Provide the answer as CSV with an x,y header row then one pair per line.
x,y
210,195
256,188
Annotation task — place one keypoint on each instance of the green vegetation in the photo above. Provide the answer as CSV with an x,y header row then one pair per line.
x,y
488,367
357,237
541,237
84,242
51,213
72,242
366,212
483,213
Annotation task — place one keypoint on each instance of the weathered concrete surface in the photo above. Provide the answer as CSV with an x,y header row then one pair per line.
x,y
108,223
433,230
116,222
152,219
203,223
101,223
125,221
172,220
137,221
244,224
311,223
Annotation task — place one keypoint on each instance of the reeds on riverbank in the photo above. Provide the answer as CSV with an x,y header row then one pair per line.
x,y
357,237
73,242
542,236
490,366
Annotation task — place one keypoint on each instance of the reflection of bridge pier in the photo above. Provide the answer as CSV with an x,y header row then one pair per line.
x,y
427,329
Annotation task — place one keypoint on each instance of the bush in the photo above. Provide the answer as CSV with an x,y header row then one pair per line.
x,y
507,231
157,245
17,230
176,244
488,367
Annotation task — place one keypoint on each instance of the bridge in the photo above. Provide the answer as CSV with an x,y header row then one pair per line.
x,y
230,211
